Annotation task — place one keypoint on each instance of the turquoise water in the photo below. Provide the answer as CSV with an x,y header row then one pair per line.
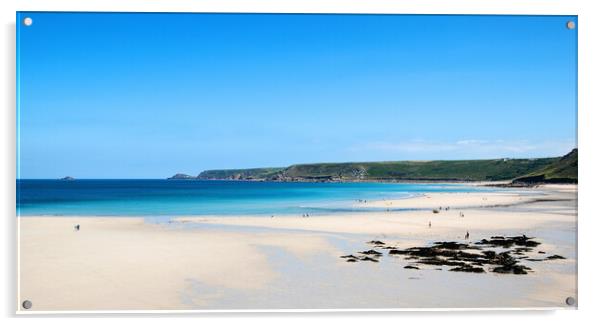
x,y
196,197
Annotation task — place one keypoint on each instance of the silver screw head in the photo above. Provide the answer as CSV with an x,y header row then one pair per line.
x,y
570,301
27,21
26,304
570,24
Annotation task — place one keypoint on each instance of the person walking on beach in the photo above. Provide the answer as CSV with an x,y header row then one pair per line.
x,y
76,227
429,224
466,236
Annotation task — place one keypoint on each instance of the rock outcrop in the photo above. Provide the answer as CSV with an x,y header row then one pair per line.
x,y
478,257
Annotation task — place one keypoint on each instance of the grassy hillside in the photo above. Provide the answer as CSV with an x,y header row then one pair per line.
x,y
539,170
522,170
240,174
467,170
563,170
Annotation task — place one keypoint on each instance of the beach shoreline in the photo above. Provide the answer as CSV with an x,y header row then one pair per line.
x,y
195,262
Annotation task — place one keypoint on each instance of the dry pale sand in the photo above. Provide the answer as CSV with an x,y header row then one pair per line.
x,y
452,200
214,262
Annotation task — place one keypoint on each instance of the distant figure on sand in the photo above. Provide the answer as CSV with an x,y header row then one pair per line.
x,y
461,214
76,227
429,224
466,236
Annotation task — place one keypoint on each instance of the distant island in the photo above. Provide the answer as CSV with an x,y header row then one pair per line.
x,y
182,176
67,178
520,171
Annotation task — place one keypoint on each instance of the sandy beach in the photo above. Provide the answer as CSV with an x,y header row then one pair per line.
x,y
243,262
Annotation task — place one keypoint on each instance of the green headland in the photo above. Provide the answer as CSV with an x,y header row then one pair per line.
x,y
521,171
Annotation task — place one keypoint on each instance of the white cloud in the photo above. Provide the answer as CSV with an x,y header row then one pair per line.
x,y
470,142
474,148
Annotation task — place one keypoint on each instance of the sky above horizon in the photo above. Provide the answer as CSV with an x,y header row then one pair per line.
x,y
150,95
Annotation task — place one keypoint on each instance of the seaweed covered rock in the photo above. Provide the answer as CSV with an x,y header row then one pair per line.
x,y
507,242
468,269
464,257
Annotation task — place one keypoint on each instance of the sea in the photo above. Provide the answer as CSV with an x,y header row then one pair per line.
x,y
209,197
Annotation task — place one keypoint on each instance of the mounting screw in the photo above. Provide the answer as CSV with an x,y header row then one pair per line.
x,y
26,304
570,24
570,301
27,21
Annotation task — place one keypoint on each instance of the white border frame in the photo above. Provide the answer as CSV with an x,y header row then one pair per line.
x,y
588,79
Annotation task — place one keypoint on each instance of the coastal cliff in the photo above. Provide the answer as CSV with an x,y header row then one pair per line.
x,y
525,171
564,170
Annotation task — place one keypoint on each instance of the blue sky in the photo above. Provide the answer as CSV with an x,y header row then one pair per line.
x,y
149,95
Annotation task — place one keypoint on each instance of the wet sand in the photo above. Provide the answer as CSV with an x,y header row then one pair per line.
x,y
216,262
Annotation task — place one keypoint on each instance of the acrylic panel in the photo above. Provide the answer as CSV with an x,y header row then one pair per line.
x,y
196,161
